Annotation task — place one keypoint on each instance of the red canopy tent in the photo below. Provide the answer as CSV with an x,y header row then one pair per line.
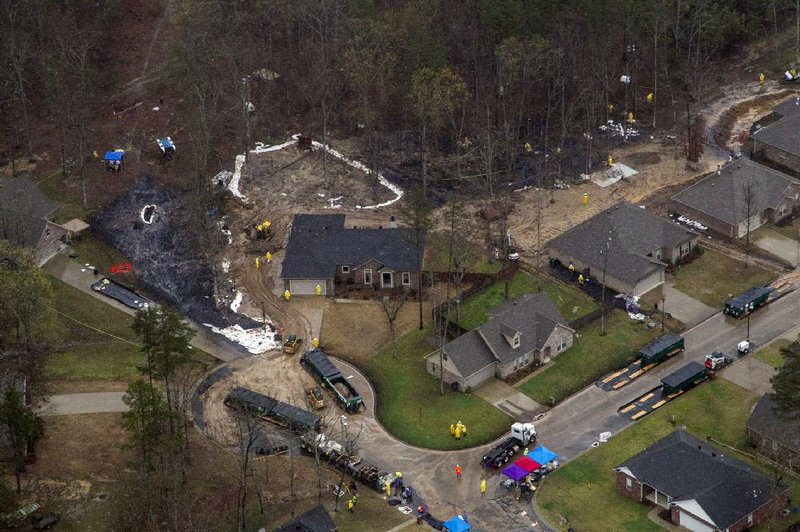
x,y
527,464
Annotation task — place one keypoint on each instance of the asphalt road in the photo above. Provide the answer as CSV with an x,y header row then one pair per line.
x,y
573,425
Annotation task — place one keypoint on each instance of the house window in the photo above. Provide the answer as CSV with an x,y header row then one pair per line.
x,y
515,341
345,269
657,254
386,280
367,276
406,278
562,344
685,248
628,484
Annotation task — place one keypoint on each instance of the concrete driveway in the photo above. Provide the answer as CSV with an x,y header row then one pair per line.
x,y
685,308
83,403
751,374
778,244
508,400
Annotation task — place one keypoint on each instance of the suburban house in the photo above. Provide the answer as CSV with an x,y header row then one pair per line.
x,y
774,437
704,487
525,331
624,244
322,252
314,520
25,218
779,142
720,200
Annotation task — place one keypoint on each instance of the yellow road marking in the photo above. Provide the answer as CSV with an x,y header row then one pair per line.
x,y
637,415
660,403
620,384
628,408
646,397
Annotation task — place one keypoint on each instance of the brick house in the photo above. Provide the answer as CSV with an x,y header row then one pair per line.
x,y
776,438
25,218
704,488
632,245
525,331
719,199
779,141
322,252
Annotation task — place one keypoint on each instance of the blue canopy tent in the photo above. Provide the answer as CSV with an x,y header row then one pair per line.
x,y
543,455
114,156
457,524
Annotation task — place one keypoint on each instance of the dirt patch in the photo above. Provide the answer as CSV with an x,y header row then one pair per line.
x,y
644,158
358,330
733,128
57,387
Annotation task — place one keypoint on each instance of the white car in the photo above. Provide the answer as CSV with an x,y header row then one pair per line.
x,y
513,255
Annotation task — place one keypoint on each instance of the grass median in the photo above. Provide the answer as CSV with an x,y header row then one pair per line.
x,y
584,490
410,407
571,302
590,357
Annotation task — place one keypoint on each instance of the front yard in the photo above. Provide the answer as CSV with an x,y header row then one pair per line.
x,y
477,261
584,490
713,278
590,357
410,407
791,230
572,303
771,354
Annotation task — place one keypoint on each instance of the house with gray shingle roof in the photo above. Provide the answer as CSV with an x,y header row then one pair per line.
x,y
322,252
526,331
720,200
778,142
774,437
25,218
632,245
704,487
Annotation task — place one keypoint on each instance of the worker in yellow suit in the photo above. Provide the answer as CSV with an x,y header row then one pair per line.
x,y
581,280
761,79
610,161
268,256
585,198
315,342
287,295
611,108
452,430
630,117
483,487
318,290
458,432
388,489
650,98
528,147
258,263
464,430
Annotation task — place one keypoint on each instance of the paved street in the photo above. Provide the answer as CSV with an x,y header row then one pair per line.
x,y
684,308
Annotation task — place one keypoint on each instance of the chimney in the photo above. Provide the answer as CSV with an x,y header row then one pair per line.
x,y
392,222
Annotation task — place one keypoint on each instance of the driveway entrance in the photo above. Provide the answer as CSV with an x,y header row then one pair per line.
x,y
778,244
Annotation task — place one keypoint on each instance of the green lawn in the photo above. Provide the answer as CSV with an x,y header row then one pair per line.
x,y
791,230
87,354
410,407
94,251
478,260
590,357
771,354
714,278
584,490
570,301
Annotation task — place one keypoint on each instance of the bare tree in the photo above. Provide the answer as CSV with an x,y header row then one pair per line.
x,y
391,304
247,432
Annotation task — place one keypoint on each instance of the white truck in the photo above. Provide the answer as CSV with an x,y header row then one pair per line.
x,y
522,435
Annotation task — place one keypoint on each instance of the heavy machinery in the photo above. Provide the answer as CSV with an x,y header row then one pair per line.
x,y
167,147
290,344
315,397
336,454
522,435
318,363
716,361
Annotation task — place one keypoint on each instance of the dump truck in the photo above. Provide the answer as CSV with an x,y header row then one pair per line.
x,y
319,365
746,302
660,349
272,410
290,344
522,435
685,378
336,454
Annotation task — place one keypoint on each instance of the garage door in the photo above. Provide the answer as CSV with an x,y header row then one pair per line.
x,y
648,283
695,525
307,287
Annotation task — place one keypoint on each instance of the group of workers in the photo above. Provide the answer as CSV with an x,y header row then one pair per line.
x,y
267,257
483,480
458,430
581,279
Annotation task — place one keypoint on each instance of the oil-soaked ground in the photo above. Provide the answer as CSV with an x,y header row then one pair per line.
x,y
164,253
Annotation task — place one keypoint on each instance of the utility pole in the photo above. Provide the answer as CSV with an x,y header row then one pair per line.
x,y
663,302
603,297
